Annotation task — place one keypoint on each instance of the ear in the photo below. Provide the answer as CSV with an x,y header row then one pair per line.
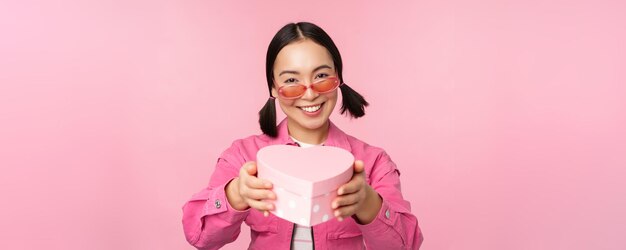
x,y
274,92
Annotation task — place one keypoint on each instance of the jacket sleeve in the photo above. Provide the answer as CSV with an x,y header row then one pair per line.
x,y
395,227
209,222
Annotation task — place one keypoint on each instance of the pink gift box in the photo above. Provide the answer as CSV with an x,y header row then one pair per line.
x,y
305,180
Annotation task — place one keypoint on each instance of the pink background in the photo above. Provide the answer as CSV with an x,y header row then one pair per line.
x,y
506,118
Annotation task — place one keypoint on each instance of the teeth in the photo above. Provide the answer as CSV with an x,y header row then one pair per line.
x,y
311,109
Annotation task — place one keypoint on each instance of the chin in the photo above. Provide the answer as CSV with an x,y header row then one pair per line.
x,y
313,125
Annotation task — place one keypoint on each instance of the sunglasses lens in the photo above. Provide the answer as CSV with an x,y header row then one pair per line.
x,y
292,91
326,85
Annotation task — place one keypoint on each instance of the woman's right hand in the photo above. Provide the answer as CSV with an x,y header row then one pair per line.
x,y
249,191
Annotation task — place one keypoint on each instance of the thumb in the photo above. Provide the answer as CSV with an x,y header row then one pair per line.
x,y
251,168
358,166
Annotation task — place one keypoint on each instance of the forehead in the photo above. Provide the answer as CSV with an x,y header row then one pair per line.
x,y
304,55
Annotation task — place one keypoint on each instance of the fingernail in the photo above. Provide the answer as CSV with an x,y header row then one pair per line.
x,y
266,213
340,219
340,191
336,213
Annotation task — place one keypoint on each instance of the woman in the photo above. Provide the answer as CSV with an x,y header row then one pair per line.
x,y
303,69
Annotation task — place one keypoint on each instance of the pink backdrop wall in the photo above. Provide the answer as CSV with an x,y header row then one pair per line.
x,y
506,118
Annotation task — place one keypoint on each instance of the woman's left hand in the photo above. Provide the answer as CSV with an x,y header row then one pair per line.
x,y
357,198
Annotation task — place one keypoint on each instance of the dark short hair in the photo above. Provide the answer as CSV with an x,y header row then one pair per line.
x,y
352,102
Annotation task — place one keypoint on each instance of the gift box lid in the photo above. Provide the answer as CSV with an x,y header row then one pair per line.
x,y
308,172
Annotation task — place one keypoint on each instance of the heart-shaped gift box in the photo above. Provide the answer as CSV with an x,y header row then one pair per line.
x,y
305,180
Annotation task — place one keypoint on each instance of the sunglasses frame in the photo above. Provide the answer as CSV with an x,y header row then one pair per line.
x,y
307,87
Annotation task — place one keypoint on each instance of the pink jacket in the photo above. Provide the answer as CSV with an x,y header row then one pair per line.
x,y
209,222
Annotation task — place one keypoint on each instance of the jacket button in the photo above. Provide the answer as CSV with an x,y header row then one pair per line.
x,y
218,204
387,214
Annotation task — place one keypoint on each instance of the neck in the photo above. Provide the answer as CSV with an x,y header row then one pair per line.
x,y
311,136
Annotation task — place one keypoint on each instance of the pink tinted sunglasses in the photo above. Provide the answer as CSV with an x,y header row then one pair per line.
x,y
294,91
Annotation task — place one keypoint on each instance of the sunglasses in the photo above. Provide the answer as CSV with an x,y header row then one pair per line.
x,y
294,91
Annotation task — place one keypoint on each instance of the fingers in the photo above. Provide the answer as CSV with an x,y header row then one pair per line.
x,y
260,205
358,179
255,191
346,200
258,199
355,184
345,211
247,176
352,194
256,183
258,194
347,205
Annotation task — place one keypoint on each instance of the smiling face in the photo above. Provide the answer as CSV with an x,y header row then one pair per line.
x,y
305,62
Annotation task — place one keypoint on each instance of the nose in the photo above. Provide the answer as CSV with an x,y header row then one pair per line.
x,y
309,94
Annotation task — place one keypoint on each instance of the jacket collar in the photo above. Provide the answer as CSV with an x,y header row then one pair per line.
x,y
336,137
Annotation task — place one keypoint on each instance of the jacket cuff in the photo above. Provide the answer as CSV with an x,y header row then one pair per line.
x,y
217,204
385,218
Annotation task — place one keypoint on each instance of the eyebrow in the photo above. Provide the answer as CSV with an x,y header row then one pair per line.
x,y
297,73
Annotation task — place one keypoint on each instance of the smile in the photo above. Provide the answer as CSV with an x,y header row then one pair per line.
x,y
311,109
